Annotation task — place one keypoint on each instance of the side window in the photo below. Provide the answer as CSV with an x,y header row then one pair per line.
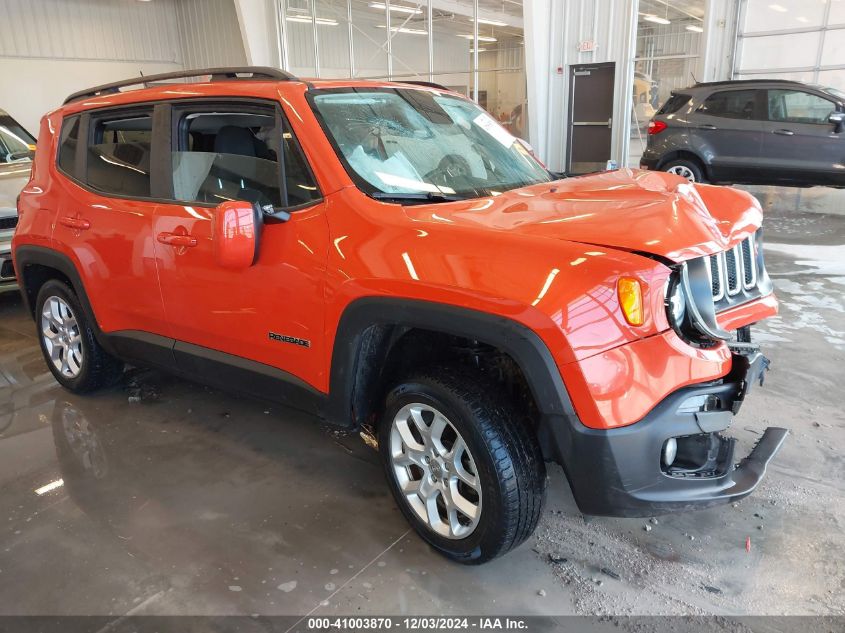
x,y
67,146
673,104
793,106
118,160
730,104
300,183
229,155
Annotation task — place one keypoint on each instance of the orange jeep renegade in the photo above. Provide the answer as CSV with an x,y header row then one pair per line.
x,y
388,257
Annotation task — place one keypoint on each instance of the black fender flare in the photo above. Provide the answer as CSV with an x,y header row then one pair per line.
x,y
521,343
28,255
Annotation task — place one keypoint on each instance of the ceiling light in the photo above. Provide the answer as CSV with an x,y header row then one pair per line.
x,y
480,50
656,19
694,28
403,29
398,8
307,20
778,8
492,22
481,38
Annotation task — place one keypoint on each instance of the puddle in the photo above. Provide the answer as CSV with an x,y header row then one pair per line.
x,y
826,260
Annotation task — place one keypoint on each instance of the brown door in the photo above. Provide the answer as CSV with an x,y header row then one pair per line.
x,y
590,117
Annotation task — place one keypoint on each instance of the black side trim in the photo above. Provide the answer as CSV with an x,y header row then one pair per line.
x,y
143,348
519,342
234,373
218,369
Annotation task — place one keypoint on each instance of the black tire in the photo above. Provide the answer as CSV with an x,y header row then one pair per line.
x,y
690,164
97,368
509,464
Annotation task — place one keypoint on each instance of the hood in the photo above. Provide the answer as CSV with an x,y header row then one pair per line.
x,y
631,210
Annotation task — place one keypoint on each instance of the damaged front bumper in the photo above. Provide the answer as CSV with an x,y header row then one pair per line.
x,y
624,471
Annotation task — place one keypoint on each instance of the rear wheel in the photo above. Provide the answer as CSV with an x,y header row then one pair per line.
x,y
73,355
463,467
685,168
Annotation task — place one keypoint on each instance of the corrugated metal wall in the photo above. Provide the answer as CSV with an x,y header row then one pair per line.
x,y
89,29
559,26
191,33
209,34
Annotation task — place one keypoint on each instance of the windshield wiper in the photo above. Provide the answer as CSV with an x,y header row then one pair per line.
x,y
422,197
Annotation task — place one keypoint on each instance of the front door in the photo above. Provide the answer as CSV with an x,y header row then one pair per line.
x,y
590,117
799,142
266,317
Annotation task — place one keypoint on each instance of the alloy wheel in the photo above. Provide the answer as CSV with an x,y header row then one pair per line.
x,y
683,171
62,337
435,471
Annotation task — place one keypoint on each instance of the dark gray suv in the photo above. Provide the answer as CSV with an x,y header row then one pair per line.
x,y
760,131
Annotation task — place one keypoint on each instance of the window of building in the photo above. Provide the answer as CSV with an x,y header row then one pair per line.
x,y
119,157
730,104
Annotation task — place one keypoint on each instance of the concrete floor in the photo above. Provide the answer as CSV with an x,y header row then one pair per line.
x,y
178,499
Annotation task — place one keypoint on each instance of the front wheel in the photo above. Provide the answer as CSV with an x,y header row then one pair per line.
x,y
465,470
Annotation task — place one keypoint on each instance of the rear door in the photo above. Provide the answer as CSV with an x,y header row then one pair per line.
x,y
800,144
270,315
105,214
726,130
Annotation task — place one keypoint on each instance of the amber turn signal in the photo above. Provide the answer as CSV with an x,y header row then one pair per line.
x,y
631,300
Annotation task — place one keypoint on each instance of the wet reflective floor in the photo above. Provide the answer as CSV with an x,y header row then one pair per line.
x,y
160,496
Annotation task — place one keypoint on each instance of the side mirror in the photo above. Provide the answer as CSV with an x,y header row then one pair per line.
x,y
838,120
236,234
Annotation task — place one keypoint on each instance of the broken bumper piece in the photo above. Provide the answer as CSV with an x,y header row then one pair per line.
x,y
628,471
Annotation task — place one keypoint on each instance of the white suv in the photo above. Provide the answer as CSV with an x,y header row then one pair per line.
x,y
16,149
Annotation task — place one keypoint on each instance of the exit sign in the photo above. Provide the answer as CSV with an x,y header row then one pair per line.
x,y
587,46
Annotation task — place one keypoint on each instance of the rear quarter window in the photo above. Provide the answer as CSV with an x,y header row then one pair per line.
x,y
674,103
68,142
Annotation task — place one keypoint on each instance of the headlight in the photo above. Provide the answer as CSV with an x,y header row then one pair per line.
x,y
676,303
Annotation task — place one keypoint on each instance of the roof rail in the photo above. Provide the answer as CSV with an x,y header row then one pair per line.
x,y
216,74
761,80
427,84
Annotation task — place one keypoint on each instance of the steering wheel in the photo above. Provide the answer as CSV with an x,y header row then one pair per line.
x,y
451,168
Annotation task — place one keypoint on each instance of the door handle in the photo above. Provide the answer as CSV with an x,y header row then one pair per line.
x,y
77,224
173,239
707,126
784,132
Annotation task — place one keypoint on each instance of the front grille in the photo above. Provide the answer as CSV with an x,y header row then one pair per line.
x,y
748,267
8,223
733,271
714,264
